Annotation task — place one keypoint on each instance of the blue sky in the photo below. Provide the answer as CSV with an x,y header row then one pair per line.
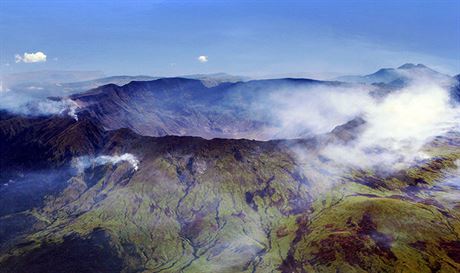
x,y
254,38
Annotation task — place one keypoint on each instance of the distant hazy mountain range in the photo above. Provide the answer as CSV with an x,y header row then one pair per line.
x,y
388,75
60,83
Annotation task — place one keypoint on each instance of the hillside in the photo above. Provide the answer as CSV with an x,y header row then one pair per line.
x,y
196,205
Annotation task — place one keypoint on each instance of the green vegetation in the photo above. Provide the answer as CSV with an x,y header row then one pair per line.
x,y
230,206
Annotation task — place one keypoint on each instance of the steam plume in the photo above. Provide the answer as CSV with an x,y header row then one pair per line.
x,y
81,163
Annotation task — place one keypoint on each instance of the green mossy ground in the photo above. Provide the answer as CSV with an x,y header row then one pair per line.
x,y
250,208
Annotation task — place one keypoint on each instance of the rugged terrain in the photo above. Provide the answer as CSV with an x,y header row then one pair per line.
x,y
196,205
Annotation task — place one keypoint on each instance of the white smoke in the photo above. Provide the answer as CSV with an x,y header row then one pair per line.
x,y
50,107
84,162
27,103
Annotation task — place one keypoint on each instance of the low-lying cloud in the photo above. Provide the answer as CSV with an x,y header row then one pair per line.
x,y
36,57
34,101
317,110
397,126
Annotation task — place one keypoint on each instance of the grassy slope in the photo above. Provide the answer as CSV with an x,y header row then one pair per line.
x,y
227,206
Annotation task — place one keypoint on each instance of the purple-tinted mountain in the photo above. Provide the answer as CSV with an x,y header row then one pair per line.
x,y
179,106
389,75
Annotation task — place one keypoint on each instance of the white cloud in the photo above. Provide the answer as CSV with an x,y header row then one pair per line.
x,y
315,110
36,57
399,126
203,59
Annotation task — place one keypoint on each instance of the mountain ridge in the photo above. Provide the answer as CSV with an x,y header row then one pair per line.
x,y
169,104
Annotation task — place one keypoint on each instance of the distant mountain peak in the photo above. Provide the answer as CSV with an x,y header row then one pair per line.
x,y
411,66
388,75
383,70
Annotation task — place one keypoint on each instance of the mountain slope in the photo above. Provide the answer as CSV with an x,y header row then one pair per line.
x,y
196,205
